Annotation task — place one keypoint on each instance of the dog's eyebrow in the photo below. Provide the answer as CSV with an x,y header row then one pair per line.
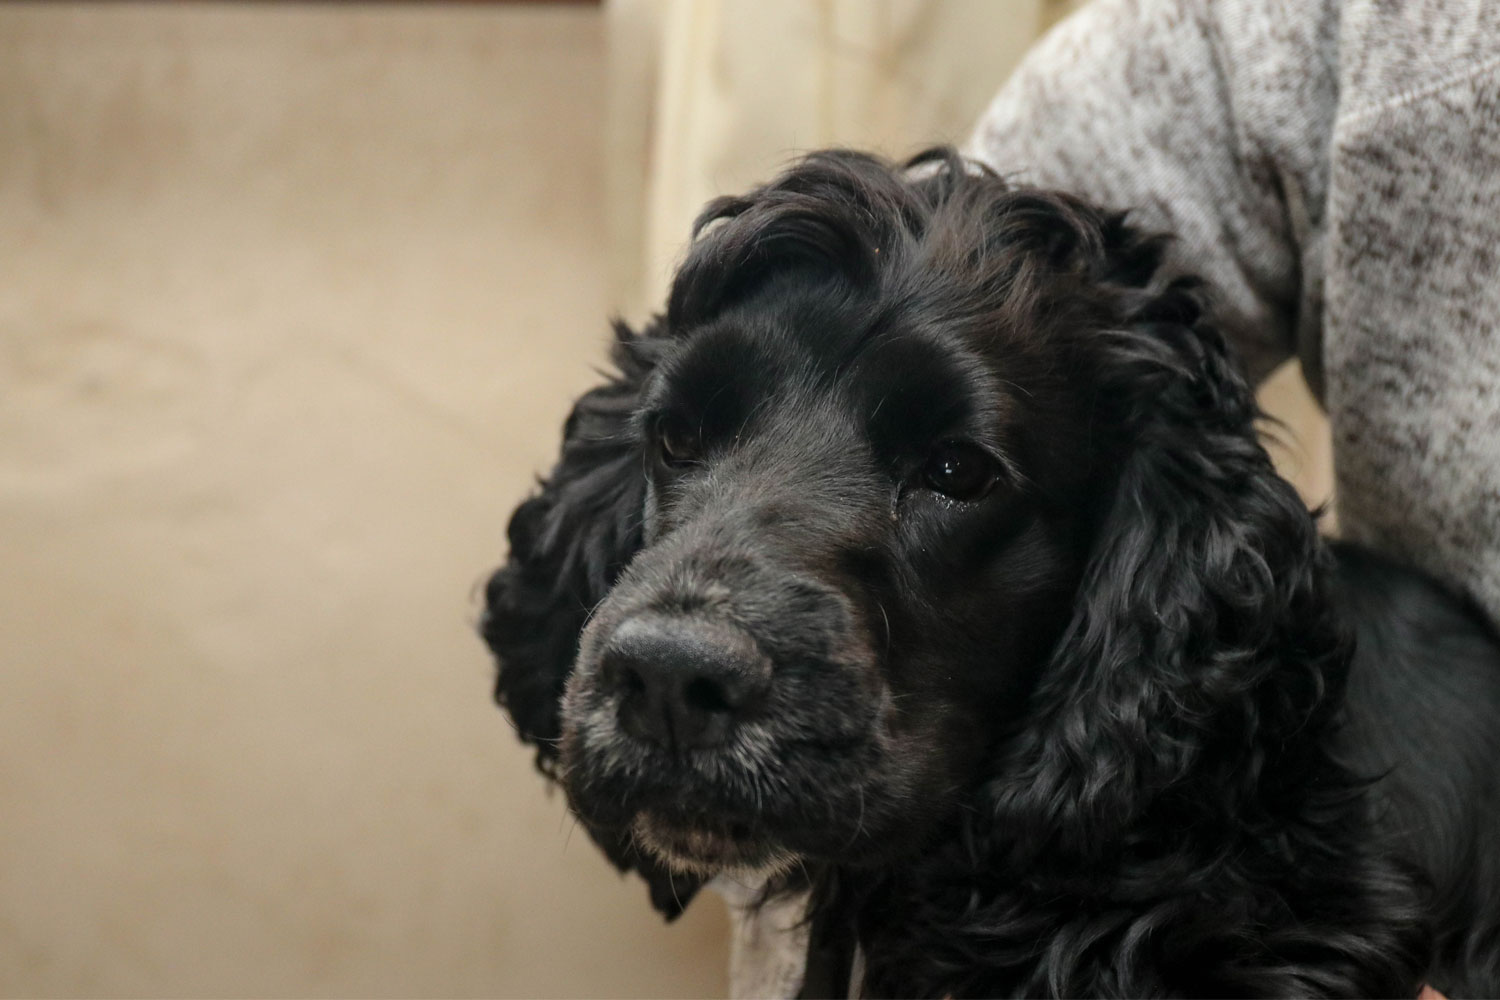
x,y
915,390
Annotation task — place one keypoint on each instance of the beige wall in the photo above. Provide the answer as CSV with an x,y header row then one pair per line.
x,y
292,301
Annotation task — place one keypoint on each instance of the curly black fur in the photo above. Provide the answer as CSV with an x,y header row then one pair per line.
x,y
1097,730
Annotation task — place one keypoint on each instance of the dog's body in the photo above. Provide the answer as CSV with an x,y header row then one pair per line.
x,y
1423,711
923,555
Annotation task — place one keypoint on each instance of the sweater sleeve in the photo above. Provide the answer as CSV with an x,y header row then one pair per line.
x,y
1207,118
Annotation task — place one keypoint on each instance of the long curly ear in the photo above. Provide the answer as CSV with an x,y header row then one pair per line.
x,y
1201,644
568,543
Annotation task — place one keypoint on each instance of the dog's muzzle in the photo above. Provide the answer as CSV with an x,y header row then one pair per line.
x,y
683,682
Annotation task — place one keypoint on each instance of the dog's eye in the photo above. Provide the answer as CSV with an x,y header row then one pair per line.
x,y
960,470
676,444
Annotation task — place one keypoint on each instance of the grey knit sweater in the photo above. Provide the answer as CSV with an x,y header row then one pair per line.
x,y
1333,167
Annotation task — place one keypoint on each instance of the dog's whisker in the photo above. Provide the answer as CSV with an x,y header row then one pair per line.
x,y
763,403
672,883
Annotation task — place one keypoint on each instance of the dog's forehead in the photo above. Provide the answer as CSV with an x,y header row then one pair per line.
x,y
898,376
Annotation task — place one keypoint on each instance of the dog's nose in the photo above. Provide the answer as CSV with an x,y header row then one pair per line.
x,y
684,682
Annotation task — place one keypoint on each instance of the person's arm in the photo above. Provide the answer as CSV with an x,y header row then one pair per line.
x,y
1207,118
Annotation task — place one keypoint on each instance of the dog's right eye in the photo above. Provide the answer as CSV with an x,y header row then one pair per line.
x,y
960,470
676,445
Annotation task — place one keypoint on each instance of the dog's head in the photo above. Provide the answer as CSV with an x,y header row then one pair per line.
x,y
924,487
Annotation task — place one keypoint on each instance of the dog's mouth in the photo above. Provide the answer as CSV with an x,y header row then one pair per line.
x,y
704,846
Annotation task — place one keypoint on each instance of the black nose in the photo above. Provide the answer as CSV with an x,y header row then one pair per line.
x,y
684,682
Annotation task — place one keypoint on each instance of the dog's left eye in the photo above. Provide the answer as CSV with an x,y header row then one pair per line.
x,y
676,444
960,470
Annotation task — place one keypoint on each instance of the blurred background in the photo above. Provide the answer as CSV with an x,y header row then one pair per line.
x,y
293,300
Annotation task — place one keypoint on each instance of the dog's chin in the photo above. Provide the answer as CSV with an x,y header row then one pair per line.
x,y
707,849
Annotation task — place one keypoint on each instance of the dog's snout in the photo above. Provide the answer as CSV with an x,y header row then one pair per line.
x,y
684,682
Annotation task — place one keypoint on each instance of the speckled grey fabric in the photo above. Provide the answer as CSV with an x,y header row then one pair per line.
x,y
1333,167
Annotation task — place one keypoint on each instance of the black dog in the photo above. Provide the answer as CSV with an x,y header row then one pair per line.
x,y
924,555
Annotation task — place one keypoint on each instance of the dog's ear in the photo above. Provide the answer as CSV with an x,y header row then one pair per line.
x,y
567,545
1201,640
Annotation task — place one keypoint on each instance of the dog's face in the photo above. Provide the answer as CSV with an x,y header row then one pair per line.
x,y
862,534
927,497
